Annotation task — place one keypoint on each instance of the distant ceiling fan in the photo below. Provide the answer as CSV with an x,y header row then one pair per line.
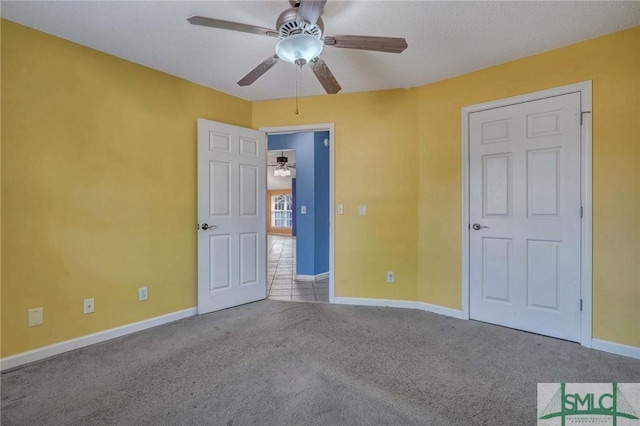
x,y
282,166
301,33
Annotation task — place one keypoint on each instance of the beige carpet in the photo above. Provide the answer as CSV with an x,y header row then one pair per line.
x,y
288,363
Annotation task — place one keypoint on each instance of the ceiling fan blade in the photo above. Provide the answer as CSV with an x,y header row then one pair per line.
x,y
310,10
378,44
257,72
324,75
233,26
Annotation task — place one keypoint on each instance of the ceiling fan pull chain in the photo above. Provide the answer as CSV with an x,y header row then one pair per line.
x,y
298,84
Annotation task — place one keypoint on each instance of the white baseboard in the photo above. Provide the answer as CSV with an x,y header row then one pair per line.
x,y
406,304
360,301
616,348
442,310
17,360
601,345
80,342
322,276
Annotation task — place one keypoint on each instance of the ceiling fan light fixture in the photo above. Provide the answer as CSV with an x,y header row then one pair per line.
x,y
282,172
299,48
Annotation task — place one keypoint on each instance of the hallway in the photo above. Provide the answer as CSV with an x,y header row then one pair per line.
x,y
281,271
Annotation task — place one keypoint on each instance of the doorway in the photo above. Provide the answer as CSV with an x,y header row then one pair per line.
x,y
527,212
304,259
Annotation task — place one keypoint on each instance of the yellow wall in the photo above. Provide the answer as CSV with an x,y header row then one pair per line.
x,y
376,164
98,187
369,128
99,183
613,63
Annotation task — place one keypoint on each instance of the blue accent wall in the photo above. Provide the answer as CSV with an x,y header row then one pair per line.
x,y
311,189
294,212
321,187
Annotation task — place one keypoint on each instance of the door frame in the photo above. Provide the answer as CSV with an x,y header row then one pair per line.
x,y
319,127
584,88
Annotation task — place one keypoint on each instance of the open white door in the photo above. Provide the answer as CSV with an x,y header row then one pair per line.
x,y
231,216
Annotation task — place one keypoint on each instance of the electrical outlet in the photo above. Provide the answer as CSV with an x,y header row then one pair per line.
x,y
391,276
35,317
143,294
88,306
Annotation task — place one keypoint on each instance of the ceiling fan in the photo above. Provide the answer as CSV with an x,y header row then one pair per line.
x,y
302,39
282,161
282,166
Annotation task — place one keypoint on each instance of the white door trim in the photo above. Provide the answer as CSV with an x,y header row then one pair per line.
x,y
320,127
585,90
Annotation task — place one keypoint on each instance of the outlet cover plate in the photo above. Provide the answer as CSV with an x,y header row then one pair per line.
x,y
89,306
143,294
391,276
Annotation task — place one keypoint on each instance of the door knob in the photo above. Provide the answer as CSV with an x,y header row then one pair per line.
x,y
206,226
478,227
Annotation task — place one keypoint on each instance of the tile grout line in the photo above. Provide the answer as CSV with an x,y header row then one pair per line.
x,y
276,269
288,283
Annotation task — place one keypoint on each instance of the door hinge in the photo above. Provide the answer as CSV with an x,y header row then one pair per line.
x,y
581,212
580,305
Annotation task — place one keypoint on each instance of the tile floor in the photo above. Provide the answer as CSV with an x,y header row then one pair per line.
x,y
281,271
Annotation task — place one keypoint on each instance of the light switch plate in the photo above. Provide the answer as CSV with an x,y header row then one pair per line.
x,y
363,209
340,208
303,209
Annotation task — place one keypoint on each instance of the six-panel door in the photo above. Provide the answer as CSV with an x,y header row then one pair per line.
x,y
231,202
525,199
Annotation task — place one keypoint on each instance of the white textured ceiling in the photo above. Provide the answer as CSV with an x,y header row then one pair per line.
x,y
445,38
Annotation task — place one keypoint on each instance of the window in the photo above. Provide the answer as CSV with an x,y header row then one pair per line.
x,y
281,206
